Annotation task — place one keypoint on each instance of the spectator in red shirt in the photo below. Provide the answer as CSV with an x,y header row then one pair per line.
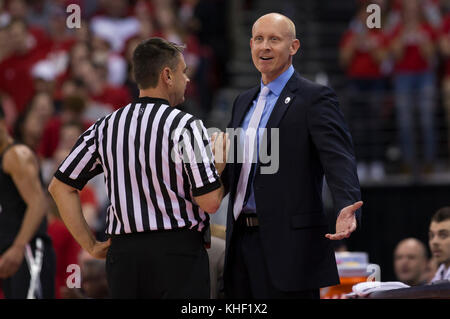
x,y
68,135
72,111
362,54
66,249
115,25
412,45
103,97
27,47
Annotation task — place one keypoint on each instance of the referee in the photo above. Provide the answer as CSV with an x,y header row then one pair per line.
x,y
161,181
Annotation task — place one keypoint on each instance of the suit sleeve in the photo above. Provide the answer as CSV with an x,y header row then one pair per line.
x,y
225,177
333,142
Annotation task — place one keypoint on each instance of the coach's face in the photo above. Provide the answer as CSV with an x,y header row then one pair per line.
x,y
272,45
179,82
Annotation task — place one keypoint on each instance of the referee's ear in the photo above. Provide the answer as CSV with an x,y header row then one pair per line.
x,y
166,76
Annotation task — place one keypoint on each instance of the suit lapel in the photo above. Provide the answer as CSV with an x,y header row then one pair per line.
x,y
245,104
284,101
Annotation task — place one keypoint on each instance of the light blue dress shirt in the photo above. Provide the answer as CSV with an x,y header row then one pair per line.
x,y
276,86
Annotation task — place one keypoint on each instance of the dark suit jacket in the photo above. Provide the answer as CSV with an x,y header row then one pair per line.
x,y
313,140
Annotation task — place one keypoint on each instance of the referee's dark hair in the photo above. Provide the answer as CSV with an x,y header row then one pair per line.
x,y
2,113
150,57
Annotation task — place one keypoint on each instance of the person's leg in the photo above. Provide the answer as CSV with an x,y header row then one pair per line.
x,y
173,265
377,100
426,91
48,272
260,281
237,282
122,269
404,117
446,103
359,99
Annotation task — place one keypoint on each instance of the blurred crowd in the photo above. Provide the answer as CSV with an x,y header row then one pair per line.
x,y
401,68
56,81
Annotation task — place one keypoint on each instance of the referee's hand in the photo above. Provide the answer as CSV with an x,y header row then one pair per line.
x,y
100,249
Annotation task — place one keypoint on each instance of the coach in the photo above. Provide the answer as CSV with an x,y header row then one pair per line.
x,y
160,179
277,241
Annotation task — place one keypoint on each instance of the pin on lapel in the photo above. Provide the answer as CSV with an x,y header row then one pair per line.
x,y
288,99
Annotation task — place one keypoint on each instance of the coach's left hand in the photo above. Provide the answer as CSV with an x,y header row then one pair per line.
x,y
346,222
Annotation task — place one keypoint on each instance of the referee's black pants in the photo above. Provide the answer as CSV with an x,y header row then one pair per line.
x,y
248,276
170,264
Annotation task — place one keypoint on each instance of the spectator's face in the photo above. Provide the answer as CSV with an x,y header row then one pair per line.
x,y
116,8
439,239
410,263
80,53
272,45
17,8
69,136
411,8
32,129
179,82
88,74
18,36
43,106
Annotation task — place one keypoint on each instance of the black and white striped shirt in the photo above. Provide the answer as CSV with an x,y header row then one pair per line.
x,y
155,158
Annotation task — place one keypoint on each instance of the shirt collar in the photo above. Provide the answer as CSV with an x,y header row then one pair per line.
x,y
148,99
277,85
442,271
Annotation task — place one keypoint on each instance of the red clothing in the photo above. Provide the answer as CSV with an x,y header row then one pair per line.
x,y
50,137
363,64
413,59
113,96
66,251
87,196
15,70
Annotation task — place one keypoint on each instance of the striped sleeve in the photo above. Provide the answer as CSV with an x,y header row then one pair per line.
x,y
82,163
196,153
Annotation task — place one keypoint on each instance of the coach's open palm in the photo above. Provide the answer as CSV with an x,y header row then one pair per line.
x,y
346,222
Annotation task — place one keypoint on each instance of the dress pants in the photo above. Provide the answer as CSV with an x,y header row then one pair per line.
x,y
248,277
169,264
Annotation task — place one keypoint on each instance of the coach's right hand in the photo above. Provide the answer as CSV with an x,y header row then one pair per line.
x,y
220,144
100,248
